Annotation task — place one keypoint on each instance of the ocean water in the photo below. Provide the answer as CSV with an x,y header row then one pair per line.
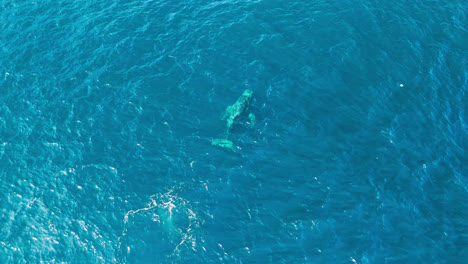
x,y
358,153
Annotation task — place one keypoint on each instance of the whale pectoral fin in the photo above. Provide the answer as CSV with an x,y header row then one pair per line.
x,y
229,122
227,112
252,119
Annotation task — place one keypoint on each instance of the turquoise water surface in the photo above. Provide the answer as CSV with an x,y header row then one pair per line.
x,y
357,155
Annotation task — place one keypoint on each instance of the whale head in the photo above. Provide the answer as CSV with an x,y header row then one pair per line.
x,y
247,93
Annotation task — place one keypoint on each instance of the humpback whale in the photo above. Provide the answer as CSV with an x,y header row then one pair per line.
x,y
231,113
239,107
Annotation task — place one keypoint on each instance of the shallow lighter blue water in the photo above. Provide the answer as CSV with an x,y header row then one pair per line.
x,y
358,155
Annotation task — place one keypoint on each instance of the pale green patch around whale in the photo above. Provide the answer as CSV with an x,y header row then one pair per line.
x,y
239,107
224,143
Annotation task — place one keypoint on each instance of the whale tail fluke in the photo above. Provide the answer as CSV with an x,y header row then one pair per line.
x,y
223,143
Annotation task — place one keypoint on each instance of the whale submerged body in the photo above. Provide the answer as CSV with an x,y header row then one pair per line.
x,y
231,113
239,107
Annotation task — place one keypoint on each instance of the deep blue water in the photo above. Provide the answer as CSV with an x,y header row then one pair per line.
x,y
358,155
